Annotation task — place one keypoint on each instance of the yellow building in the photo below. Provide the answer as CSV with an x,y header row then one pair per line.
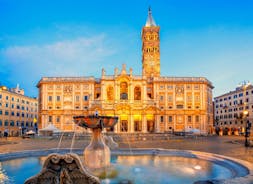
x,y
18,113
143,103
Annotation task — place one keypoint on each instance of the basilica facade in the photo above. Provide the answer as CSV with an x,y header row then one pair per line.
x,y
144,103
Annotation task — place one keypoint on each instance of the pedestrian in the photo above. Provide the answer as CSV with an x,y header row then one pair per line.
x,y
6,133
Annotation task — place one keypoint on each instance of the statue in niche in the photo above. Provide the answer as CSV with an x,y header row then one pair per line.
x,y
137,93
123,91
103,72
110,93
123,69
116,71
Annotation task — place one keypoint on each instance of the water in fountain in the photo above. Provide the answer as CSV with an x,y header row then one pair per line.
x,y
73,139
60,141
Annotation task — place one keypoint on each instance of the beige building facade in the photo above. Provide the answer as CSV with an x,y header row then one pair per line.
x,y
144,103
230,109
18,113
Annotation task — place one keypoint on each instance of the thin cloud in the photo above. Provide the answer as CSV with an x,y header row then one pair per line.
x,y
84,49
76,57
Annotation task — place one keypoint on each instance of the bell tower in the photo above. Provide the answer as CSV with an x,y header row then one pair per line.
x,y
150,48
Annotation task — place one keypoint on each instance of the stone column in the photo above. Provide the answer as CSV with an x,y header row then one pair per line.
x,y
131,123
157,123
144,123
166,119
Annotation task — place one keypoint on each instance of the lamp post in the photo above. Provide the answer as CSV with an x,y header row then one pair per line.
x,y
247,129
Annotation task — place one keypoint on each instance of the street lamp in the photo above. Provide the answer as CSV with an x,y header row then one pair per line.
x,y
248,125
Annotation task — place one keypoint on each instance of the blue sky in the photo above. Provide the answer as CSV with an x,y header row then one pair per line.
x,y
209,38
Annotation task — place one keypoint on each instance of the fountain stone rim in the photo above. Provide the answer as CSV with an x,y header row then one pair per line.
x,y
95,121
247,179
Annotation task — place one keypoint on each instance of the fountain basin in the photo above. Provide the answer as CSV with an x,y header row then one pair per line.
x,y
94,121
154,162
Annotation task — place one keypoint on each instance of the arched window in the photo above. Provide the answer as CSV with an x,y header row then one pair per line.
x,y
137,93
109,93
123,91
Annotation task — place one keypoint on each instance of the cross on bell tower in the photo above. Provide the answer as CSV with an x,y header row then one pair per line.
x,y
150,48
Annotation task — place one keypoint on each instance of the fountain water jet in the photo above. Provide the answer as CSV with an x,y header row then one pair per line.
x,y
97,153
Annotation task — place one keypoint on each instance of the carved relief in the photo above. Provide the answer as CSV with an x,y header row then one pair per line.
x,y
50,87
179,90
85,86
67,89
77,87
58,87
60,169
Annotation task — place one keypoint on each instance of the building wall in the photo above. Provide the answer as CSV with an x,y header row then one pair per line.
x,y
229,108
17,112
177,104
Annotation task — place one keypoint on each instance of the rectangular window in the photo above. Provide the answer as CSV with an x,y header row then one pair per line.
x,y
188,87
196,87
170,98
1,123
161,119
6,105
18,114
0,96
197,119
189,98
189,119
50,98
6,123
58,119
12,99
197,98
170,119
170,87
180,106
1,112
77,98
6,113
6,97
12,113
58,98
161,98
50,119
85,98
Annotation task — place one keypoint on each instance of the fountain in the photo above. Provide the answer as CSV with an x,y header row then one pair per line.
x,y
68,168
97,153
